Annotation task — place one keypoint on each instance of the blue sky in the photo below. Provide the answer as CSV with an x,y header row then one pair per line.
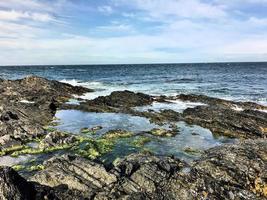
x,y
132,31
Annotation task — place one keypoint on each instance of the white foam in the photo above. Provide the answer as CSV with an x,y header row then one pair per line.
x,y
89,84
237,108
176,105
265,111
26,101
72,82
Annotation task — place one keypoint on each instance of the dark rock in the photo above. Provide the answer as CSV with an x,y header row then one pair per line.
x,y
228,122
124,99
28,104
219,102
13,186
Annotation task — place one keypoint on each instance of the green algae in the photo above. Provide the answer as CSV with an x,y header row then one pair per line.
x,y
18,167
87,131
163,132
28,168
141,141
12,149
33,151
36,167
95,148
116,134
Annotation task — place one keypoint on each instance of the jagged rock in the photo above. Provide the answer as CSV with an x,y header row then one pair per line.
x,y
219,102
77,173
26,105
228,122
124,99
14,187
140,175
236,171
57,138
33,87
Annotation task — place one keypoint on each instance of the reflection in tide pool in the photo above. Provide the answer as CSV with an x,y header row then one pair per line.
x,y
73,121
175,105
192,138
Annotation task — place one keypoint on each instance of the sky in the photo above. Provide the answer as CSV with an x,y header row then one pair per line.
x,y
44,32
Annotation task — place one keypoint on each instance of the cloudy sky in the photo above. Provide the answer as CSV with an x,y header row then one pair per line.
x,y
132,31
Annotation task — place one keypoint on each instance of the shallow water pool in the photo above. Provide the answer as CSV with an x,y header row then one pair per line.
x,y
73,121
189,143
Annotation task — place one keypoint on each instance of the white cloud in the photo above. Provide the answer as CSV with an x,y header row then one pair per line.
x,y
178,8
18,15
185,31
257,21
25,4
106,9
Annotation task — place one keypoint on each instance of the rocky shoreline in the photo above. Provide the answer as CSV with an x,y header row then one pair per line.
x,y
28,107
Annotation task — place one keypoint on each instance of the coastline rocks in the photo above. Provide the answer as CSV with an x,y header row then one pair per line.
x,y
75,172
33,87
237,171
145,173
220,102
14,129
13,186
27,105
56,138
228,122
124,99
118,101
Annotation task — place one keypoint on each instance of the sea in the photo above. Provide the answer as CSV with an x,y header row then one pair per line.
x,y
233,81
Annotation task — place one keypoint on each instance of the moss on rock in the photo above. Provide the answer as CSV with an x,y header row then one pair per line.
x,y
115,134
141,141
163,132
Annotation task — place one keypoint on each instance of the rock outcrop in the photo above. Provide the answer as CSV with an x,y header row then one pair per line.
x,y
237,171
26,105
77,174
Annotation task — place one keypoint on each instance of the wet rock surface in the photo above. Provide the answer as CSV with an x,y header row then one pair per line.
x,y
228,122
27,105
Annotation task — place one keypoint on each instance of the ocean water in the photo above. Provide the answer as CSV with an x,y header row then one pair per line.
x,y
235,81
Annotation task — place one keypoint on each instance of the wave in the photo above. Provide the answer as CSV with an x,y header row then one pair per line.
x,y
88,84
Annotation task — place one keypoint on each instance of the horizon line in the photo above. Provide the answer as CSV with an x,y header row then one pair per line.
x,y
111,64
